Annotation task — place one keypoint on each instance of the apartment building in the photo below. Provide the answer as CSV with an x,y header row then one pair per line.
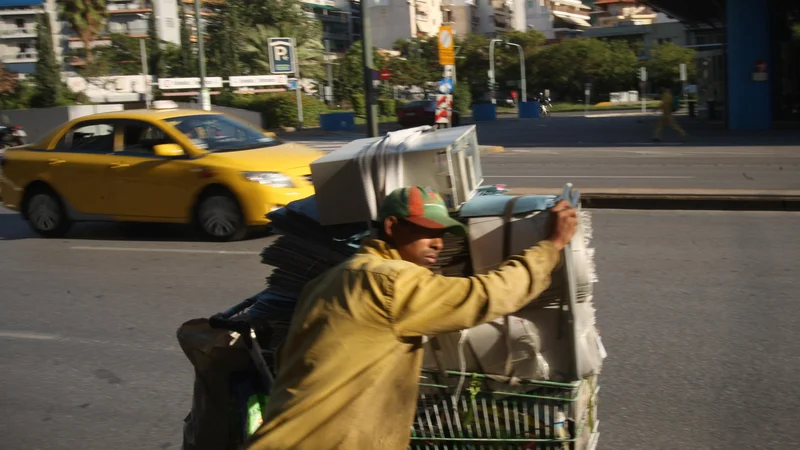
x,y
403,19
336,18
558,19
18,32
610,13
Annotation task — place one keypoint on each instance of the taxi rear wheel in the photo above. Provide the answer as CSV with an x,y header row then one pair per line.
x,y
46,213
220,217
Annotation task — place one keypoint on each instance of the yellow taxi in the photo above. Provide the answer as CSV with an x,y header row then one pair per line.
x,y
156,165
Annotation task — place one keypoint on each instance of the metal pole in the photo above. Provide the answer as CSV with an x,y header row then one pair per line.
x,y
143,51
366,41
491,66
521,71
329,63
297,90
205,102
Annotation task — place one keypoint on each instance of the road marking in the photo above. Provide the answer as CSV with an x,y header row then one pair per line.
x,y
26,335
644,177
167,250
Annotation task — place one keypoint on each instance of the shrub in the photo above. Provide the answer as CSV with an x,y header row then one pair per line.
x,y
359,105
387,107
279,109
462,98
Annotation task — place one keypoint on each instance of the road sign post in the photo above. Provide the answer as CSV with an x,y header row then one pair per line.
x,y
643,79
204,99
283,60
366,57
587,92
444,107
682,68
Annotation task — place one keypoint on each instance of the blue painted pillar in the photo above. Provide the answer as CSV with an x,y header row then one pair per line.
x,y
749,101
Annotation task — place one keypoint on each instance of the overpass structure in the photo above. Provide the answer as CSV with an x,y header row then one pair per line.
x,y
761,52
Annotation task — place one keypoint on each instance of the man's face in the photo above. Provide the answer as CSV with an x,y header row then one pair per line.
x,y
415,244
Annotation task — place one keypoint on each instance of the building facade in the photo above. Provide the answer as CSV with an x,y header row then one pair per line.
x,y
557,19
336,18
18,20
610,13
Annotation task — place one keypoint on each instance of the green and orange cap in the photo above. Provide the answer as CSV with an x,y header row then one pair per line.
x,y
421,206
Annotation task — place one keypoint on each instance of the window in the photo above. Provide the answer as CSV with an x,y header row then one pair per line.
x,y
218,133
20,23
96,137
139,138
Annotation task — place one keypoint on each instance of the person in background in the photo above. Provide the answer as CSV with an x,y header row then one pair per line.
x,y
348,372
667,107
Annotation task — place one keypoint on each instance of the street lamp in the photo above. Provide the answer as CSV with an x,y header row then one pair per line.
x,y
491,66
521,70
205,100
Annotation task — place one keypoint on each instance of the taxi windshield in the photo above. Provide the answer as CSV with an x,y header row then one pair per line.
x,y
218,133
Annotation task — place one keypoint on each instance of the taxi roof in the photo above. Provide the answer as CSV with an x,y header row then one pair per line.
x,y
158,114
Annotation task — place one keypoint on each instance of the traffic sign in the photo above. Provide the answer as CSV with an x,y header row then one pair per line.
x,y
258,80
375,75
446,85
188,83
683,71
643,73
385,75
447,56
281,55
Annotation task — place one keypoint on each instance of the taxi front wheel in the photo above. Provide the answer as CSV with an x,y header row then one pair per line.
x,y
220,217
46,213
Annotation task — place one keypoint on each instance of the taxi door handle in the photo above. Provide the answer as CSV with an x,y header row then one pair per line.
x,y
55,161
119,165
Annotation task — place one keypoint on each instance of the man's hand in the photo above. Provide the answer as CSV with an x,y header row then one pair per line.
x,y
565,222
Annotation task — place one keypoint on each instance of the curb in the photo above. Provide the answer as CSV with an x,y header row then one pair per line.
x,y
754,201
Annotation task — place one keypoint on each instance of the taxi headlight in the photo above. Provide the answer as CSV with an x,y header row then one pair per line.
x,y
273,179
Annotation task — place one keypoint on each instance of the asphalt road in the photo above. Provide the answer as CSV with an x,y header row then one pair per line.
x,y
697,310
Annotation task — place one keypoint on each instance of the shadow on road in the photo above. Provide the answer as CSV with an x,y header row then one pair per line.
x,y
13,227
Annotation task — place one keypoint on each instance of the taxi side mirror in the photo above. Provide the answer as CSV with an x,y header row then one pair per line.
x,y
168,150
272,135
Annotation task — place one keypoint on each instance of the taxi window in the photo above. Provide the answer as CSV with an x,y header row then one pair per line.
x,y
91,138
140,137
219,133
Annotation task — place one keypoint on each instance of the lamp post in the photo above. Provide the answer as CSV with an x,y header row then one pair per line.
x,y
205,101
491,66
521,70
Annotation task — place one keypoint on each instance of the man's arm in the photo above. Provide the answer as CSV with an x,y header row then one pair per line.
x,y
426,304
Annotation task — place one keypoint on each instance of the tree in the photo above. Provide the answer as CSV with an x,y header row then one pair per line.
x,y
155,54
227,33
309,50
349,73
663,67
122,57
47,73
88,19
187,62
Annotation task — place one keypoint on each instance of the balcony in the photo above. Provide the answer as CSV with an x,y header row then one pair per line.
x,y
20,11
129,7
19,57
16,33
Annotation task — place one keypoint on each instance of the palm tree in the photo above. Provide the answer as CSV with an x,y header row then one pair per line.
x,y
87,18
309,49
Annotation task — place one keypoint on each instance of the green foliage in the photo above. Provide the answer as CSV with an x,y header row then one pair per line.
x,y
255,50
462,98
155,55
187,61
279,109
386,107
227,33
359,104
88,19
349,73
47,73
663,67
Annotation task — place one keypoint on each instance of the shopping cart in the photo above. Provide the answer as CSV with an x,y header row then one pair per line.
x,y
468,411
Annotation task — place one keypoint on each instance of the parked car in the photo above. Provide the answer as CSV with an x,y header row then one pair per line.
x,y
164,165
422,112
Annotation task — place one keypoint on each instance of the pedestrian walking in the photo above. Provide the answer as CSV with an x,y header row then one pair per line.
x,y
667,108
348,372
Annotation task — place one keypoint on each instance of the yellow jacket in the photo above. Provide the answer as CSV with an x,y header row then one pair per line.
x,y
666,103
348,372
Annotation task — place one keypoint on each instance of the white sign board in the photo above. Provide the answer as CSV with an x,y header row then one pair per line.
x,y
188,83
258,80
643,74
683,72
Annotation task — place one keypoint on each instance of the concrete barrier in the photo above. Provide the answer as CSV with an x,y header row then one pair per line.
x,y
338,121
40,121
484,112
529,110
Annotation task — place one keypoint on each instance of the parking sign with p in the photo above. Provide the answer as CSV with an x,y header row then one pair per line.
x,y
281,55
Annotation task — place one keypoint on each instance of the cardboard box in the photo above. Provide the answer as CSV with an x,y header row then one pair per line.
x,y
447,160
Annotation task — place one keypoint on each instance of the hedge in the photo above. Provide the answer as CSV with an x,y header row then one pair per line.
x,y
387,107
278,109
359,105
462,98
